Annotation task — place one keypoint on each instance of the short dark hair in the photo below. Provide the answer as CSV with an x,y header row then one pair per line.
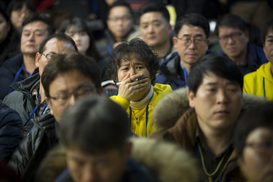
x,y
268,26
18,4
218,65
140,50
120,3
85,125
34,17
155,7
261,116
60,37
193,19
77,22
230,20
62,63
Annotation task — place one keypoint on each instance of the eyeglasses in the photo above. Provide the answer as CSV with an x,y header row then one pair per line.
x,y
233,36
48,56
186,41
123,19
264,148
63,97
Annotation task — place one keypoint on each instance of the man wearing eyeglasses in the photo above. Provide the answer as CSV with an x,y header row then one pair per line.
x,y
29,98
191,42
234,40
35,29
66,78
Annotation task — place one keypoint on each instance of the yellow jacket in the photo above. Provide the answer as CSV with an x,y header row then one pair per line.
x,y
260,82
138,117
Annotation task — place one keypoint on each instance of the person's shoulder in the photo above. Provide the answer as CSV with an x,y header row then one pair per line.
x,y
162,88
13,62
8,115
136,172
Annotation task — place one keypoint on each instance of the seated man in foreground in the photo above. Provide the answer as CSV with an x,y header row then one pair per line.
x,y
96,143
65,79
215,95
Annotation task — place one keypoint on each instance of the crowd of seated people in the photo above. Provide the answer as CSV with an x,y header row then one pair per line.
x,y
138,99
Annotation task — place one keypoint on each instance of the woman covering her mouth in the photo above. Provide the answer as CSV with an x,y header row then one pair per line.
x,y
134,66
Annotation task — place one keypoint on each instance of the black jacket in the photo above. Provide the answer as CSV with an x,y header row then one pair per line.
x,y
21,99
10,131
33,148
8,72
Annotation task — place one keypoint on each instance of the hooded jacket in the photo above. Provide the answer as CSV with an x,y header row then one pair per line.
x,y
21,99
260,82
138,117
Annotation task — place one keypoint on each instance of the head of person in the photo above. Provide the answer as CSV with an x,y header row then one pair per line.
x,y
35,29
77,29
253,141
154,24
5,26
134,57
96,142
59,43
191,38
18,11
215,91
233,35
267,39
120,20
68,77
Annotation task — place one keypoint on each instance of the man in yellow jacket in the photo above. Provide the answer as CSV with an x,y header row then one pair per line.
x,y
260,82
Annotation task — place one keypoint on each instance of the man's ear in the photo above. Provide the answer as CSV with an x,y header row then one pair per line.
x,y
191,97
50,106
37,59
207,42
175,41
247,35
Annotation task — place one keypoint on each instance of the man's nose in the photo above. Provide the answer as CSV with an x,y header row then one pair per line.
x,y
222,96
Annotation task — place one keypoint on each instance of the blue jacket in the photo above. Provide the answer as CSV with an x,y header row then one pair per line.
x,y
172,72
11,131
255,58
8,72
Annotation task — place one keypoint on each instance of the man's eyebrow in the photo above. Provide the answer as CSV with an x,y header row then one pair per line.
x,y
269,36
188,35
154,21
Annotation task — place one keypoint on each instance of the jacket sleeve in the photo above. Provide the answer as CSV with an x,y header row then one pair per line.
x,y
10,131
25,151
121,101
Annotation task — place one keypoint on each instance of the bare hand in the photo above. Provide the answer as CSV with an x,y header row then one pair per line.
x,y
130,86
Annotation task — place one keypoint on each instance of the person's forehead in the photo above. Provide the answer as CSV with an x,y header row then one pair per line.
x,y
155,15
119,11
74,28
35,25
72,78
210,77
224,29
60,44
191,29
260,132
